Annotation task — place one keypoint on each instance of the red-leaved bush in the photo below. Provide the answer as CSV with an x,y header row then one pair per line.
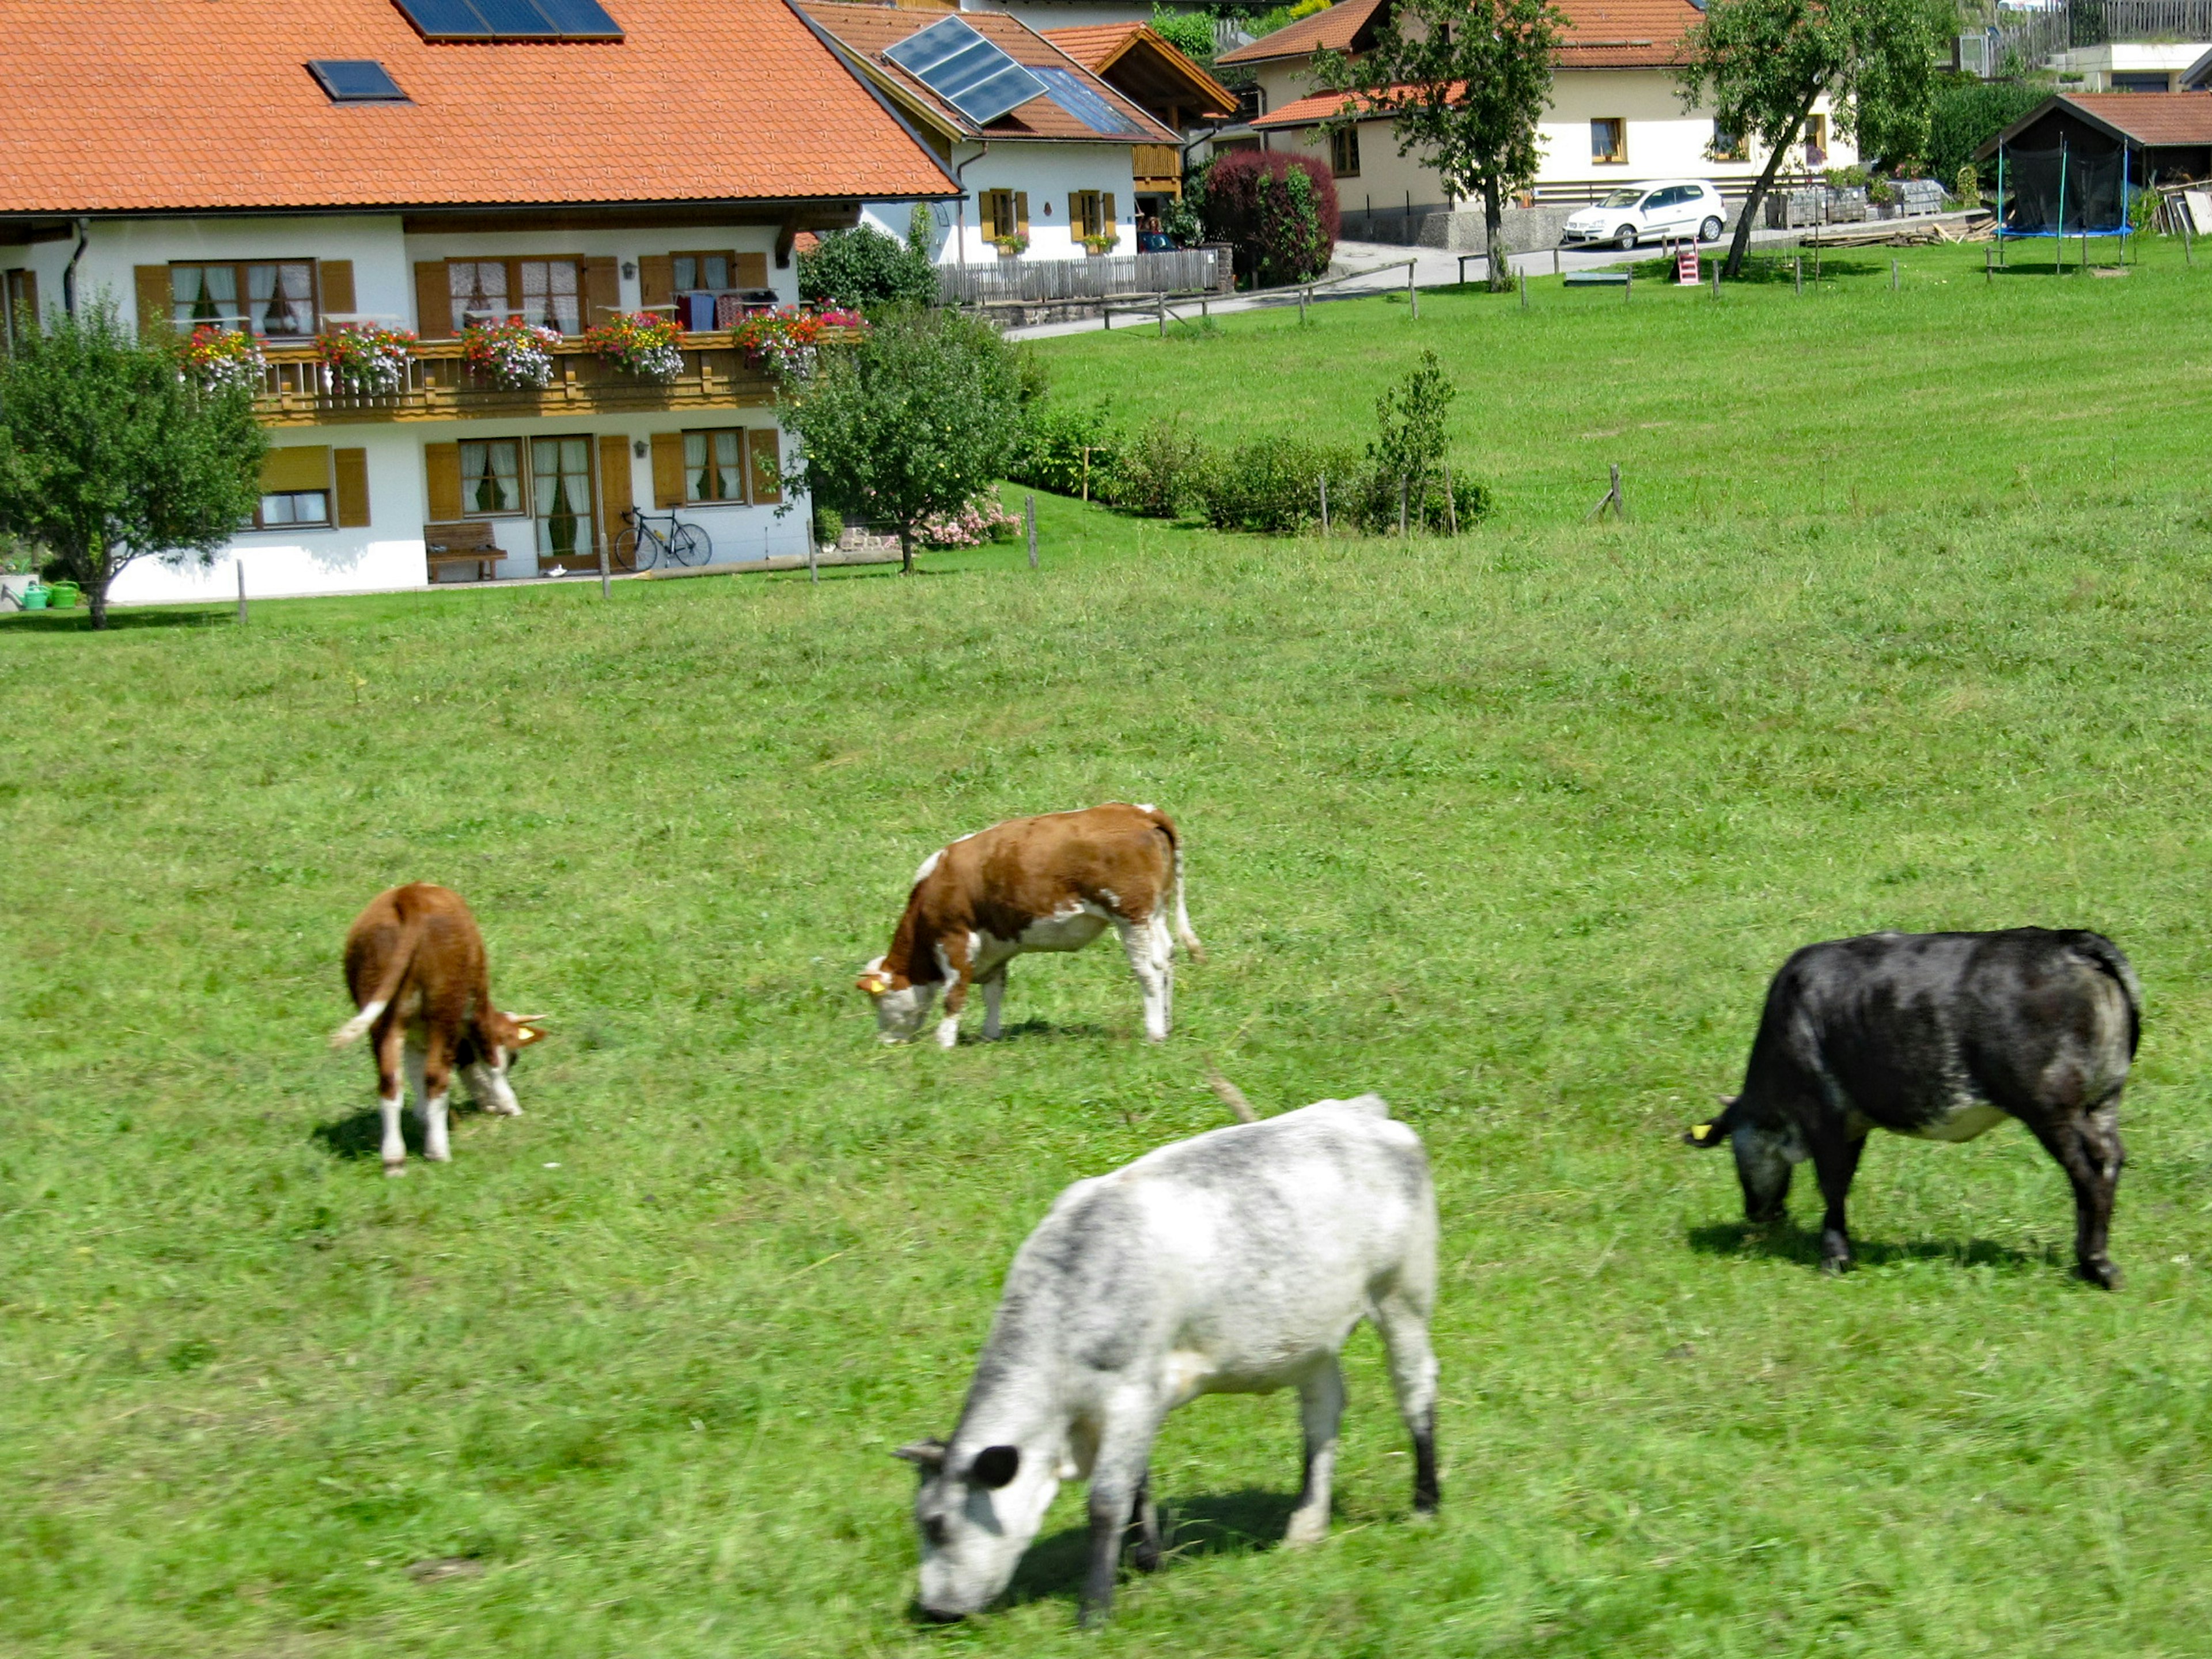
x,y
1278,212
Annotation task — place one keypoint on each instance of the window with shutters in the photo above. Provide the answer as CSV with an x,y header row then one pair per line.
x,y
491,477
1816,140
1608,141
286,508
1086,210
1727,146
275,300
560,486
1344,152
703,270
296,489
712,468
546,292
998,213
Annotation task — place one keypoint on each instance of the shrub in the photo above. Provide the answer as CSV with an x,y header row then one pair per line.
x,y
1966,114
828,525
1410,445
1278,211
1190,33
1968,185
1158,471
1272,485
862,267
1050,456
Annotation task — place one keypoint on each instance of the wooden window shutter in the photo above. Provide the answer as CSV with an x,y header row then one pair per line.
x,y
656,280
441,472
1106,215
152,283
764,465
303,467
1021,213
24,298
433,320
668,468
338,286
616,497
602,289
350,468
751,270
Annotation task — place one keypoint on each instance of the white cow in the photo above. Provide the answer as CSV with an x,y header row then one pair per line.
x,y
1235,1263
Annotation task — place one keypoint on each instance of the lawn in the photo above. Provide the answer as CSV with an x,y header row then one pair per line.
x,y
1908,629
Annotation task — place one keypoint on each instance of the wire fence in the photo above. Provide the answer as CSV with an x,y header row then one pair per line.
x,y
2032,31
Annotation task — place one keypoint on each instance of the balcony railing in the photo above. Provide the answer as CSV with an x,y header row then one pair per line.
x,y
299,390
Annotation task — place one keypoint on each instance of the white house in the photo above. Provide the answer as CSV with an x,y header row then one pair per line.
x,y
1049,158
1616,118
252,169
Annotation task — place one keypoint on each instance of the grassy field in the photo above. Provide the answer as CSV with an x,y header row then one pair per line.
x,y
1909,630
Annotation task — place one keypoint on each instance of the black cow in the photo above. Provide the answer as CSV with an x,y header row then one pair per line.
x,y
1938,1036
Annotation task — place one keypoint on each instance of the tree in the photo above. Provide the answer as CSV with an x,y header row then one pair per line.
x,y
1465,82
914,422
864,269
1762,64
1278,212
109,451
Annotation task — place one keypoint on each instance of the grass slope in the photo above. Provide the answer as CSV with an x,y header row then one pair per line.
x,y
1512,828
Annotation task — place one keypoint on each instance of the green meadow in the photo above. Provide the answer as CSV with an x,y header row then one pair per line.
x,y
1908,628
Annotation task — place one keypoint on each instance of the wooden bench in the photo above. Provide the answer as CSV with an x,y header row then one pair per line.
x,y
448,544
1595,279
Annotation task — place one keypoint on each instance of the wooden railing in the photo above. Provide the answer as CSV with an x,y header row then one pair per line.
x,y
299,390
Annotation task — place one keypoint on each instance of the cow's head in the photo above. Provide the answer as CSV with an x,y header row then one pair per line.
x,y
1765,1154
502,1033
901,1004
977,1509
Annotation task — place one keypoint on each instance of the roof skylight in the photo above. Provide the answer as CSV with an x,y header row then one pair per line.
x,y
966,71
356,80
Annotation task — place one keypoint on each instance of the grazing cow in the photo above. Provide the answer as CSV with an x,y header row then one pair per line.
x,y
1938,1036
1234,1262
1044,883
414,965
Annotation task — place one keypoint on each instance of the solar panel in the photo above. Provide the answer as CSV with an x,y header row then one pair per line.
x,y
966,71
1073,93
356,80
510,20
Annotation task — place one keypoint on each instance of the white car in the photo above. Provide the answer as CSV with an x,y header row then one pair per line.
x,y
1658,211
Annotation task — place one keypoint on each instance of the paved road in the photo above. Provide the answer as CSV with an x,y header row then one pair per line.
x,y
1433,268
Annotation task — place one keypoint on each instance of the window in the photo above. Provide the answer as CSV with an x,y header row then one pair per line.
x,y
1816,140
356,80
1087,212
560,486
1251,103
276,301
998,210
1344,152
545,291
491,477
295,487
695,270
1726,146
1608,141
23,300
294,507
712,469
2123,82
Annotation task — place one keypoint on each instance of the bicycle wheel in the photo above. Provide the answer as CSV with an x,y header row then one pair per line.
x,y
690,545
629,553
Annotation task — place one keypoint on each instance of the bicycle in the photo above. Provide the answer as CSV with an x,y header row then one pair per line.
x,y
640,546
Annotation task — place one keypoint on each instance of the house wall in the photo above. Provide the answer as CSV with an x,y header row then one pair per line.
x,y
1042,15
1051,173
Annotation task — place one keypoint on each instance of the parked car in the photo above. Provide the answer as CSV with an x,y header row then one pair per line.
x,y
1641,213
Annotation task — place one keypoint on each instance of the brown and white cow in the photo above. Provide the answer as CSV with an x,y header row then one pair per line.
x,y
414,965
1053,882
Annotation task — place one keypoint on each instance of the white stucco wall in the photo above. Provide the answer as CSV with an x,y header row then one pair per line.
x,y
1051,173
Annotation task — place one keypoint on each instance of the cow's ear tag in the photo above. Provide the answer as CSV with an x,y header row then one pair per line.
x,y
1701,1130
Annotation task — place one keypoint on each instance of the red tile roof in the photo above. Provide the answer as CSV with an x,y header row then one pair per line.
x,y
2154,118
869,30
1100,46
1599,33
185,104
1314,110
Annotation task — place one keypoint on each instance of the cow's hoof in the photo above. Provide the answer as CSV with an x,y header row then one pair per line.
x,y
1144,1558
1835,1266
2102,1274
1305,1530
391,1168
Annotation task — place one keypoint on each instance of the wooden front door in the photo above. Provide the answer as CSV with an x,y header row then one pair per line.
x,y
561,503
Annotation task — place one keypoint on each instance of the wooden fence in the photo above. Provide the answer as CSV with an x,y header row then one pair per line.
x,y
1035,280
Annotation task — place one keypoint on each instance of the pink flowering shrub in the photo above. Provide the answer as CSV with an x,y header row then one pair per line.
x,y
971,526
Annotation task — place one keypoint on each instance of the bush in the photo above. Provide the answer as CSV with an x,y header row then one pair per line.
x,y
1190,33
828,525
864,269
1278,211
1050,456
1966,114
1427,507
1272,485
1158,471
1968,185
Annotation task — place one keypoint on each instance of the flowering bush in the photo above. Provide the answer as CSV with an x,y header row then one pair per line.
x,y
782,344
514,355
366,359
221,358
639,342
971,526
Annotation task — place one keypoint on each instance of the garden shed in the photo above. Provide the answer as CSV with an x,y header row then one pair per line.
x,y
2072,165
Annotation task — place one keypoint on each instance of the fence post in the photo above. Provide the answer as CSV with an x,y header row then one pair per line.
x,y
1524,290
1106,317
1161,303
1627,285
1086,472
1892,276
1412,293
1029,515
1324,505
1555,265
606,581
1799,265
1717,279
1304,294
1451,502
239,565
1401,506
1989,266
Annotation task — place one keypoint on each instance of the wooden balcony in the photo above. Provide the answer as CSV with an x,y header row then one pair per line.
x,y
299,390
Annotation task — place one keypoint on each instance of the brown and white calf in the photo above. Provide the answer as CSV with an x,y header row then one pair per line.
x,y
1053,882
414,965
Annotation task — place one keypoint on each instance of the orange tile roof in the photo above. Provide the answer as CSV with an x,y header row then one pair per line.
x,y
1099,46
1599,33
869,30
2155,119
185,104
1319,107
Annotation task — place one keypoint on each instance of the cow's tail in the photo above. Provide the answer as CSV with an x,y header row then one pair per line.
x,y
1707,1135
1182,928
2109,957
403,957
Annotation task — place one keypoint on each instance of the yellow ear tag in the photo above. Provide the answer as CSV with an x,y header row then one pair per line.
x,y
1701,1130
